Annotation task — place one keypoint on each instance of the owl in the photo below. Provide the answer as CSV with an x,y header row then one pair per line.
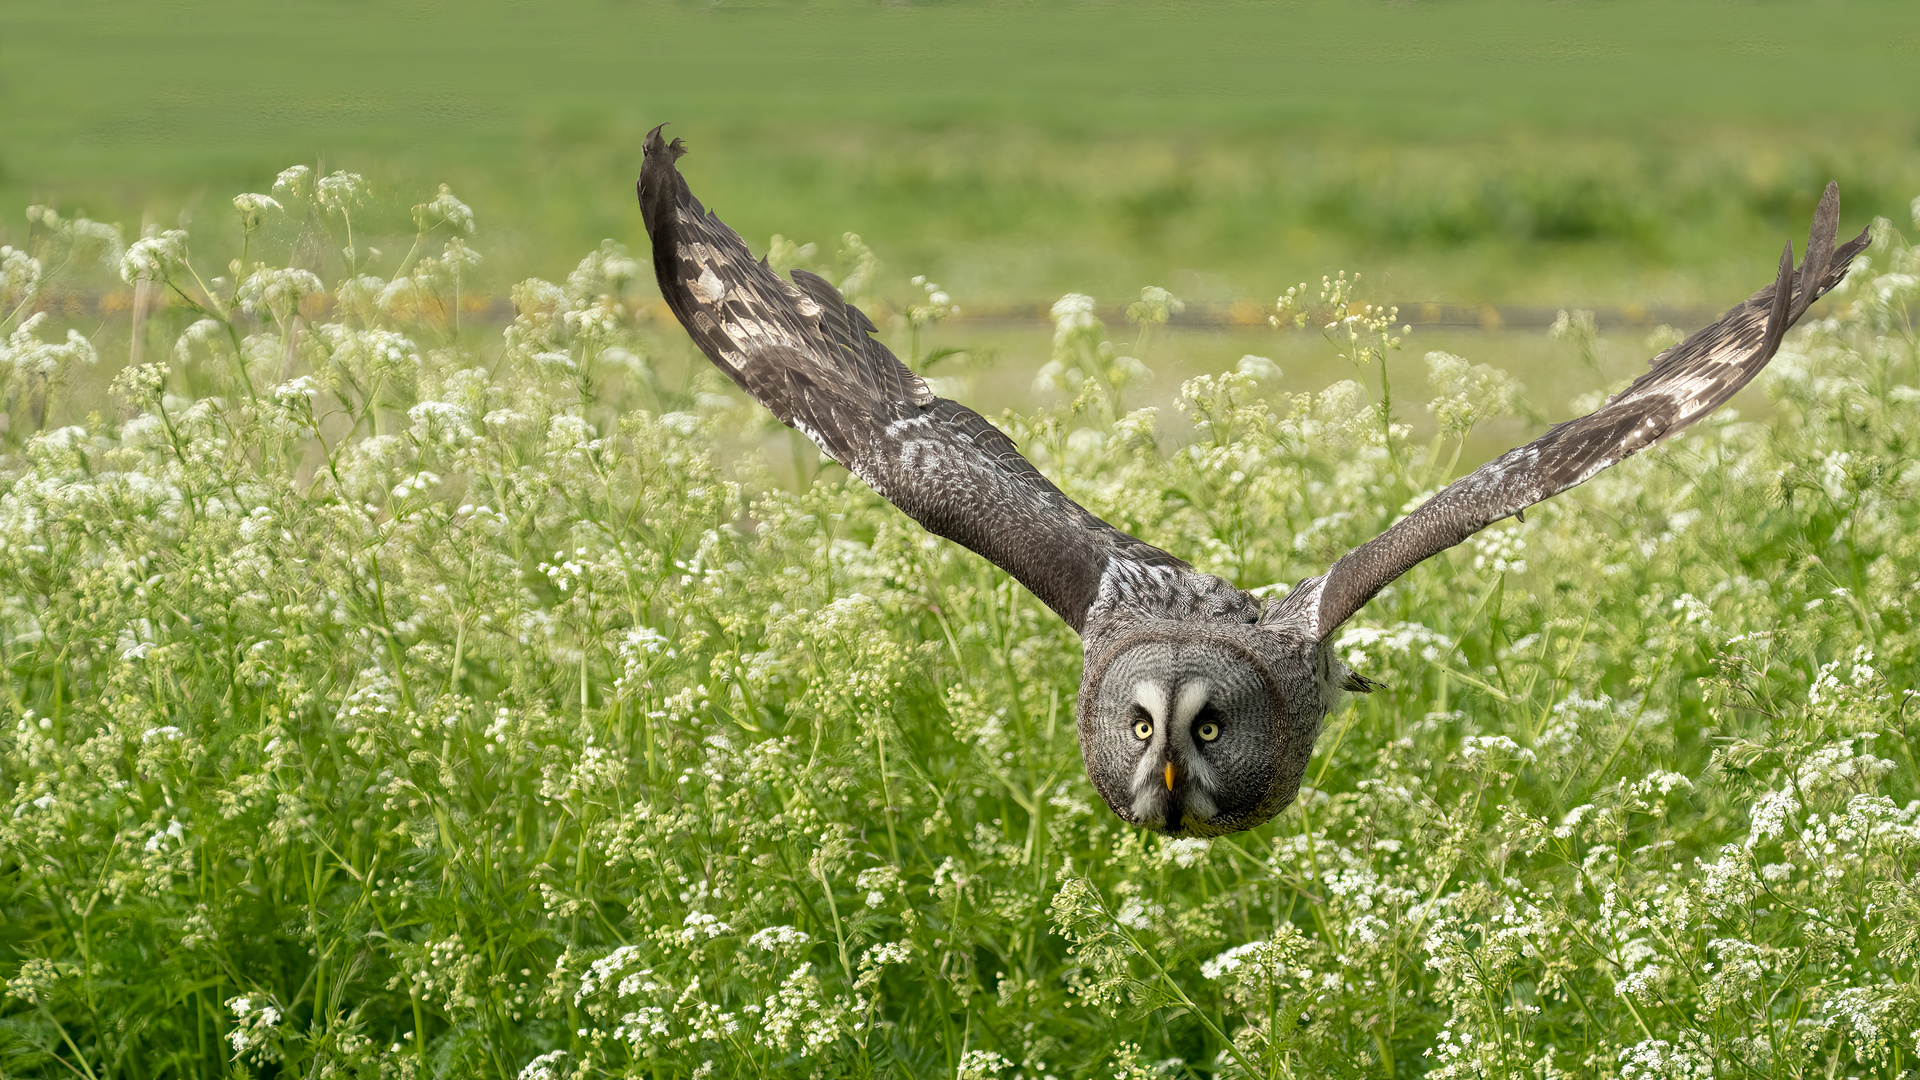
x,y
1199,703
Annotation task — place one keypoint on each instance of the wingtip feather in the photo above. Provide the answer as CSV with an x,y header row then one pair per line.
x,y
657,144
657,184
1685,383
1820,251
1778,318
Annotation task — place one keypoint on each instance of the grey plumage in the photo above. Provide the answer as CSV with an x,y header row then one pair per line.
x,y
806,354
1198,704
1682,384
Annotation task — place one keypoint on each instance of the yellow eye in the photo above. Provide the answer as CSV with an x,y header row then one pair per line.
x,y
1208,731
1143,730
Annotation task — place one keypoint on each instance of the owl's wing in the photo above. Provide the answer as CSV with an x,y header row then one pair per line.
x,y
1683,384
806,354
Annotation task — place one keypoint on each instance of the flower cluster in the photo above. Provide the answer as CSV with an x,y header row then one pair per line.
x,y
394,693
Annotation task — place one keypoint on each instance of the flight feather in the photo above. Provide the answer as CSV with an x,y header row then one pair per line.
x,y
1682,384
801,350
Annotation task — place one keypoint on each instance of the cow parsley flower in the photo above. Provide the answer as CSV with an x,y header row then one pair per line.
x,y
24,353
1469,393
544,1067
253,207
155,258
19,278
293,180
278,291
445,207
340,190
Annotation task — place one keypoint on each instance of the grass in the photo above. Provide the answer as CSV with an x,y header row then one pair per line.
x,y
392,697
1490,151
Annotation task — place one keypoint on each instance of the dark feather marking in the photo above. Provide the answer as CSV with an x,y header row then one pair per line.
x,y
1356,683
1681,385
806,354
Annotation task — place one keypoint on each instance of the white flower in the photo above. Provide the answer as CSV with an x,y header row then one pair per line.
x,y
19,278
154,258
278,291
981,1065
441,423
887,952
1346,416
299,389
544,1067
937,306
1260,966
1770,815
1259,369
1503,550
451,210
1137,426
26,354
1185,851
253,1029
159,839
602,971
293,180
778,939
1571,821
1156,305
253,207
1690,1058
1469,393
1361,644
878,881
1072,312
698,924
1475,747
1863,1008
340,190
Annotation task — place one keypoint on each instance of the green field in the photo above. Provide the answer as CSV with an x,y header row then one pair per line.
x,y
1591,155
420,667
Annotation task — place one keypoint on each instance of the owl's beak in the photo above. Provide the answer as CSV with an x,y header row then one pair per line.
x,y
1169,775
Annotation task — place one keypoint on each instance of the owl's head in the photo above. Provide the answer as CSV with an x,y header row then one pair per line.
x,y
1191,729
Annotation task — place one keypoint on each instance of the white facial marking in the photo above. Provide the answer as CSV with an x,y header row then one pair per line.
x,y
1153,698
1201,779
1192,696
1148,787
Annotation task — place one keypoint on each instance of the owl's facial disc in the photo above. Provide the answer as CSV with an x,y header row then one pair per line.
x,y
1179,728
1173,783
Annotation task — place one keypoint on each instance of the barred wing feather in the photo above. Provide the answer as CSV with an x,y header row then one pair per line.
x,y
806,354
1682,384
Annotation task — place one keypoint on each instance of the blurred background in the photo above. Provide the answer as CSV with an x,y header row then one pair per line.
x,y
1485,163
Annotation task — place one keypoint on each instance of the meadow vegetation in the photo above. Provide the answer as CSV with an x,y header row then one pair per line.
x,y
388,697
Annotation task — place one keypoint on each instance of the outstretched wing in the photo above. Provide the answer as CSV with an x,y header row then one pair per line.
x,y
802,351
1683,384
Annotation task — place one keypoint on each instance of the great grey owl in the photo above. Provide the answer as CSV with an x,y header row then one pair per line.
x,y
1199,703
